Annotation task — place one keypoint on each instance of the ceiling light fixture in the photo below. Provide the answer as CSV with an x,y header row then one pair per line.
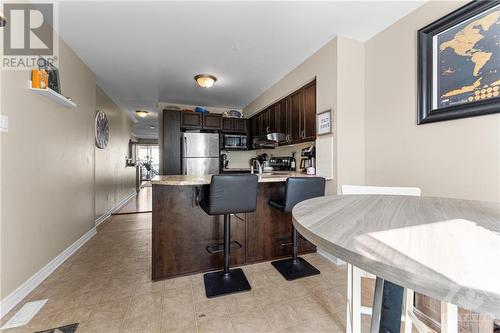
x,y
141,113
205,80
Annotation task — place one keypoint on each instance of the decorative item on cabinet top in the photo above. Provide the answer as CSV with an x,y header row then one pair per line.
x,y
232,114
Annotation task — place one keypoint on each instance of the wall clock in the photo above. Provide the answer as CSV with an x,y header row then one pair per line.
x,y
101,130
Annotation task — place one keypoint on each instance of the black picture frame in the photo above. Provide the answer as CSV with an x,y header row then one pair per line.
x,y
426,113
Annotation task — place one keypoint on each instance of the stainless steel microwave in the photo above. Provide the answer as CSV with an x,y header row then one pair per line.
x,y
234,142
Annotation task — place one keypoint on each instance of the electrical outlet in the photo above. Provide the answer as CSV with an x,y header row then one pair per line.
x,y
4,124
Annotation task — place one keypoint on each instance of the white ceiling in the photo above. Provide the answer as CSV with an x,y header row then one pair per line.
x,y
148,52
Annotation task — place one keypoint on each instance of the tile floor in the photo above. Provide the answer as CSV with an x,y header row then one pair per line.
x,y
106,287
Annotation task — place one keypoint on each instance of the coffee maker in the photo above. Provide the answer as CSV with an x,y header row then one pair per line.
x,y
308,158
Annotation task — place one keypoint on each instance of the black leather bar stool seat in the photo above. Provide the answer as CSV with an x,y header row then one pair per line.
x,y
297,189
228,194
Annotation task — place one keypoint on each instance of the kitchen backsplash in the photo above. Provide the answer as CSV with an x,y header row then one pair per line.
x,y
241,159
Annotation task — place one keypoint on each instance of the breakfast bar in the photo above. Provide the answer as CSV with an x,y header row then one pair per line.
x,y
186,240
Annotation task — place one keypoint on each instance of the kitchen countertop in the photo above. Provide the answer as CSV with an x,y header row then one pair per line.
x,y
186,180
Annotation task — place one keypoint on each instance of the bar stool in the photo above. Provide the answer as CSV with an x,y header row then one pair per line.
x,y
297,189
229,194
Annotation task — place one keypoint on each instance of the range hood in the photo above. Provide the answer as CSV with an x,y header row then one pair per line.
x,y
270,140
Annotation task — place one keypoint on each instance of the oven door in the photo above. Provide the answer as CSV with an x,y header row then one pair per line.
x,y
235,142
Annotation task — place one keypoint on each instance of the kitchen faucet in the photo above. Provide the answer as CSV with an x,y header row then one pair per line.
x,y
258,165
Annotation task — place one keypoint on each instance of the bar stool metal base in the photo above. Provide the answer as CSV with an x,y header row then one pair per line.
x,y
295,269
219,283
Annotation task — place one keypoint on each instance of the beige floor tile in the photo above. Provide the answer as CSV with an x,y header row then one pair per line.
x,y
143,323
309,308
190,329
210,309
241,302
177,296
178,283
177,316
219,325
281,315
251,322
106,287
321,324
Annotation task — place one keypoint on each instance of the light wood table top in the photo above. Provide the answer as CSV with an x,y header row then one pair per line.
x,y
448,249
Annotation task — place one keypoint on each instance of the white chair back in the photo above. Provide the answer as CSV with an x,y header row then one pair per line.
x,y
356,189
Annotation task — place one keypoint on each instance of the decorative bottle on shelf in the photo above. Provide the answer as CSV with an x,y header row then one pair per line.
x,y
39,78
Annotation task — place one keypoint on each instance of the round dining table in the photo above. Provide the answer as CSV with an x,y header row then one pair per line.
x,y
447,249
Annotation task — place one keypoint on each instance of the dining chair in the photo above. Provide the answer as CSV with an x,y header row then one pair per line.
x,y
354,307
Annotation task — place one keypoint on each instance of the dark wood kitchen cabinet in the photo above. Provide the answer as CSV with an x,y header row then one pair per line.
x,y
182,232
192,120
268,230
309,117
197,120
234,125
294,116
212,121
171,142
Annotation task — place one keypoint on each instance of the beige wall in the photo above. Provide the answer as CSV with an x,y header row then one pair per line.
x,y
339,70
113,181
459,158
321,65
47,170
350,112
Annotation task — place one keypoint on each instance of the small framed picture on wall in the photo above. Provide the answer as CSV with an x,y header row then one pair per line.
x,y
324,122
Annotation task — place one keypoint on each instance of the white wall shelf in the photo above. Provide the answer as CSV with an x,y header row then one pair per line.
x,y
54,96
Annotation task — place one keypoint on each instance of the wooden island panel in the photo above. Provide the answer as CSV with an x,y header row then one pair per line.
x,y
182,231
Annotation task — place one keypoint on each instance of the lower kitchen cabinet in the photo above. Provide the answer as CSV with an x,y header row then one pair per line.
x,y
182,232
269,231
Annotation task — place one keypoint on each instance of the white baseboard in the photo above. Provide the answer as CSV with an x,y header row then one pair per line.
x,y
11,300
113,209
330,257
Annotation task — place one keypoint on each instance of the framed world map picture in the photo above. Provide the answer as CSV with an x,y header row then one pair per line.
x,y
459,64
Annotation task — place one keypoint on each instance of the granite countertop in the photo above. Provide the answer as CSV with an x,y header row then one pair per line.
x,y
185,180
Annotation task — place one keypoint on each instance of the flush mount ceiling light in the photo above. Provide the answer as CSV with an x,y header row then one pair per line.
x,y
141,113
205,80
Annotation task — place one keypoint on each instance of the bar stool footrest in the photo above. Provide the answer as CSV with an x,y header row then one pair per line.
x,y
292,270
219,284
218,248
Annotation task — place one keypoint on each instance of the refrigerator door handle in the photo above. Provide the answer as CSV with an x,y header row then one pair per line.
x,y
185,146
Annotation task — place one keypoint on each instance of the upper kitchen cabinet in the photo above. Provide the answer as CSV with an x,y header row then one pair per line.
x,y
234,125
212,121
294,116
297,115
284,119
191,120
196,120
309,118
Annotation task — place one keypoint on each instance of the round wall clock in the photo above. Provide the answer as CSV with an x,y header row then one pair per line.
x,y
101,130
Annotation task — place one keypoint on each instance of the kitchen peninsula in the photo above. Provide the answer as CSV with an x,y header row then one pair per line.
x,y
186,240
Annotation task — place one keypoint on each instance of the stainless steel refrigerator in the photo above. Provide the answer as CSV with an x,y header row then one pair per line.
x,y
200,153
